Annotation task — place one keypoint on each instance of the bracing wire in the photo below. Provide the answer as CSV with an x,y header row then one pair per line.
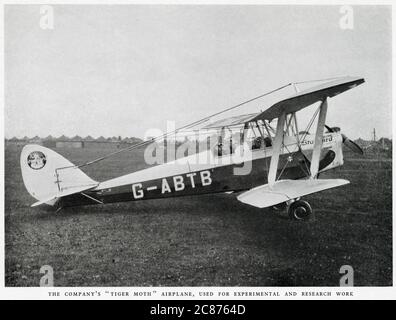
x,y
195,123
317,80
143,143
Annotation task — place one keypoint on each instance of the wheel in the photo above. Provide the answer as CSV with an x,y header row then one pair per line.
x,y
300,210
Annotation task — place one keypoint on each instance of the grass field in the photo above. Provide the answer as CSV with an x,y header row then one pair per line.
x,y
210,240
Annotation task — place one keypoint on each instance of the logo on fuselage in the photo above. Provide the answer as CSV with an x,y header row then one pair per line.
x,y
174,184
325,139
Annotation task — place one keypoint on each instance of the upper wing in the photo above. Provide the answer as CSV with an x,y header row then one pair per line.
x,y
307,97
292,104
284,190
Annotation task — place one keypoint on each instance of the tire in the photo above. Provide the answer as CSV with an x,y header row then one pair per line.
x,y
300,210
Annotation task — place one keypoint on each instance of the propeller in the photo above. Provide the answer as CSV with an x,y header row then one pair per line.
x,y
345,140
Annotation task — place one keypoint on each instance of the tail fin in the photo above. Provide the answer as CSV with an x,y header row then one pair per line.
x,y
42,179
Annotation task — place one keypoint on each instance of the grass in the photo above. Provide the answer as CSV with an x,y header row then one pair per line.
x,y
210,240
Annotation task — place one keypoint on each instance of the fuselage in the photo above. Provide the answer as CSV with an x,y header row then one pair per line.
x,y
207,172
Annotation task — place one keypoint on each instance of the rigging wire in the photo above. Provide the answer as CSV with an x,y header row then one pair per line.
x,y
317,80
135,146
301,141
195,123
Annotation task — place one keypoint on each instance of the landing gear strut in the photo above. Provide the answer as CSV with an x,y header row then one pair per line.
x,y
299,210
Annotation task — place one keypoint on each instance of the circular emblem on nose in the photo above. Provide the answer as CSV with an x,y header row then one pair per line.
x,y
36,160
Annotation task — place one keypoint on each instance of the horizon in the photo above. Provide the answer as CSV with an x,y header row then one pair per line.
x,y
134,137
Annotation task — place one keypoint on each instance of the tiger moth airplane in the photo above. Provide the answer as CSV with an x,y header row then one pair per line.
x,y
284,163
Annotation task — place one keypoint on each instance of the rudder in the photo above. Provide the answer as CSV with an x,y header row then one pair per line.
x,y
42,179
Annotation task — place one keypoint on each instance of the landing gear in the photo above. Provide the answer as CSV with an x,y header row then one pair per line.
x,y
299,210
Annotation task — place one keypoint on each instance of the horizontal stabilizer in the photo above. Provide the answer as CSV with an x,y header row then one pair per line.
x,y
68,192
285,190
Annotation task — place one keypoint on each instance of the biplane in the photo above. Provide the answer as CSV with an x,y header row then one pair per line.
x,y
284,163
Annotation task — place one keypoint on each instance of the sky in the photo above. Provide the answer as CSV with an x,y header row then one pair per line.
x,y
110,70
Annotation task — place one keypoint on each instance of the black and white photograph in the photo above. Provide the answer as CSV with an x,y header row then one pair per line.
x,y
239,146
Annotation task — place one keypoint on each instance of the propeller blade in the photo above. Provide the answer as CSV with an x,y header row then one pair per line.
x,y
332,129
351,144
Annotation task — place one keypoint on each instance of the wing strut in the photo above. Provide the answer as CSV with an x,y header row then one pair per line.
x,y
276,149
318,139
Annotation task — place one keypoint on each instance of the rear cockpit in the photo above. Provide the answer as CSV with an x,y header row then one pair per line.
x,y
253,135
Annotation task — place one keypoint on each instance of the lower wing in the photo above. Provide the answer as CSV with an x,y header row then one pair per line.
x,y
284,190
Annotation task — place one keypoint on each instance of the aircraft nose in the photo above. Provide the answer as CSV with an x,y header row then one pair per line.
x,y
346,141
